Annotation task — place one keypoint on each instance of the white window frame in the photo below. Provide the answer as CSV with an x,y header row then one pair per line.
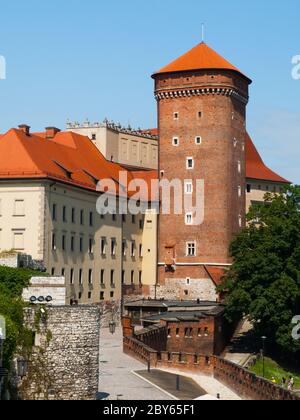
x,y
196,140
174,115
174,140
187,216
187,163
187,248
186,184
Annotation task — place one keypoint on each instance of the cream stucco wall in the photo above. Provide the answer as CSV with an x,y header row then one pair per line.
x,y
22,218
42,221
258,191
122,147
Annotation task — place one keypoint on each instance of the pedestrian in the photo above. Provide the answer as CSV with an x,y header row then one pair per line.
x,y
283,383
291,384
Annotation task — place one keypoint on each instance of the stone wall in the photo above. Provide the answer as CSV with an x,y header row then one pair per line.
x,y
15,260
64,363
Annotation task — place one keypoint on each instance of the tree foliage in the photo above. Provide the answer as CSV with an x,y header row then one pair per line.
x,y
264,281
12,283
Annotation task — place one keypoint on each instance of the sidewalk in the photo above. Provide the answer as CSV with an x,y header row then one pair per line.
x,y
116,372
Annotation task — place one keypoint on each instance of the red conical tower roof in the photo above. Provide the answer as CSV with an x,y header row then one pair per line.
x,y
199,58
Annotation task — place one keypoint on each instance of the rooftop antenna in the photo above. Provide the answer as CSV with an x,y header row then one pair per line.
x,y
203,31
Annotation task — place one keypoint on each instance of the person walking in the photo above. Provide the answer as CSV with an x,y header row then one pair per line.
x,y
291,384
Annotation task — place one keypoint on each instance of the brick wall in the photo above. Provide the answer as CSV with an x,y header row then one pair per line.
x,y
241,381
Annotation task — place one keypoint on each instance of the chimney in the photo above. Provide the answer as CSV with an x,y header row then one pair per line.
x,y
51,132
25,128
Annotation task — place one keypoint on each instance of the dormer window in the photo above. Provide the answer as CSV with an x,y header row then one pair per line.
x,y
66,171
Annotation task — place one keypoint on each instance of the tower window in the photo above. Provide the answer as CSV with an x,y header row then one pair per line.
x,y
198,140
240,191
199,114
175,141
94,137
191,249
189,187
190,163
189,219
176,115
239,167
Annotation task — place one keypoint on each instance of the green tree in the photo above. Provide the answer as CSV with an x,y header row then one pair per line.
x,y
264,280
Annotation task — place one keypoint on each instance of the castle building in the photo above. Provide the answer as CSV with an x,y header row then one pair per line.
x,y
48,196
202,101
130,148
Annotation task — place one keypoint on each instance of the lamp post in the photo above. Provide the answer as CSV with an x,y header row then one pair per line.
x,y
263,353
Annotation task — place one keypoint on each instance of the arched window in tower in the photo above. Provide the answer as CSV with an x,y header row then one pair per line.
x,y
240,191
190,164
176,116
239,167
175,141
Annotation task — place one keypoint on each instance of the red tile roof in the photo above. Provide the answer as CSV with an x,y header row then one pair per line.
x,y
199,58
216,274
68,157
255,166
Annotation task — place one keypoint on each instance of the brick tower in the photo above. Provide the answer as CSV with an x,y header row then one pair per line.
x,y
202,102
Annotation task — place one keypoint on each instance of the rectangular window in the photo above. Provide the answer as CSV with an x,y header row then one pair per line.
x,y
54,212
189,187
113,247
72,243
91,219
133,219
19,208
248,188
90,295
191,249
112,278
141,251
63,242
124,247
189,219
82,217
175,141
123,277
176,115
64,214
53,242
73,215
102,277
112,294
199,114
63,272
81,244
198,140
18,240
52,271
101,295
90,276
132,277
190,163
133,248
72,276
141,224
239,167
91,245
103,246
140,278
80,277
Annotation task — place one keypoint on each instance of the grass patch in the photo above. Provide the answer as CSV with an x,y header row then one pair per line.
x,y
274,370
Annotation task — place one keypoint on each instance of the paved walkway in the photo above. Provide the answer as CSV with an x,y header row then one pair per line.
x,y
119,378
116,372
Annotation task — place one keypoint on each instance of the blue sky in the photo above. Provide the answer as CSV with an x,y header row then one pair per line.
x,y
75,59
